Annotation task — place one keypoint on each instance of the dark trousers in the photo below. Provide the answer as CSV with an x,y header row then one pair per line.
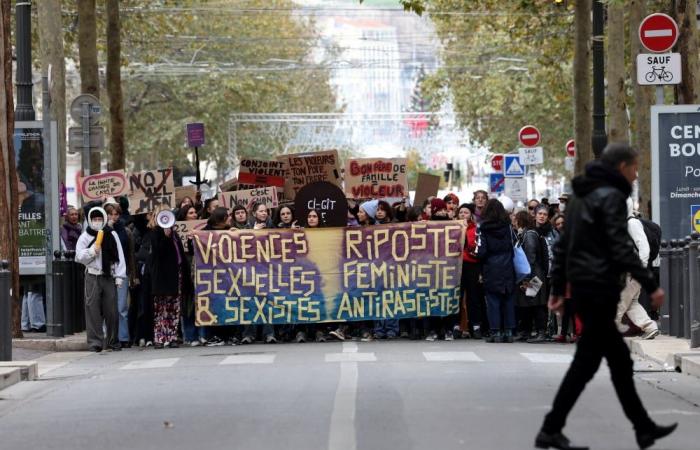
x,y
530,314
475,294
101,306
600,339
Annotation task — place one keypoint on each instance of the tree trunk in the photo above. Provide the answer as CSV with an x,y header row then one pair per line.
x,y
52,54
583,122
9,207
114,86
641,113
619,125
87,52
689,89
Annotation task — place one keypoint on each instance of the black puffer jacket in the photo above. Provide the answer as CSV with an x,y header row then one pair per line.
x,y
595,248
494,248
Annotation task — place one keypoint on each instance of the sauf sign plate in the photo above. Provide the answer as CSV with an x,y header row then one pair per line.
x,y
675,133
658,69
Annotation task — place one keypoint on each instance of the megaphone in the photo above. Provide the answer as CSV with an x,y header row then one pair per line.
x,y
165,219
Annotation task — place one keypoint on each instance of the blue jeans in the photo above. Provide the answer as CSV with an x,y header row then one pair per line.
x,y
190,331
500,306
33,311
386,327
123,311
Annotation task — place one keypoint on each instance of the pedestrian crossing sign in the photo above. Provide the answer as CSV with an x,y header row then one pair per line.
x,y
695,217
512,166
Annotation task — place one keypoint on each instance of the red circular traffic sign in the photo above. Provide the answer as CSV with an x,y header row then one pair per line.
x,y
529,136
570,148
497,163
658,32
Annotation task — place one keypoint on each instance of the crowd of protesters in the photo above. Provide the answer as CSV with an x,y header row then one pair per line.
x,y
140,291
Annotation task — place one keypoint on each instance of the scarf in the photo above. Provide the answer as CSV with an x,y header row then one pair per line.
x,y
110,254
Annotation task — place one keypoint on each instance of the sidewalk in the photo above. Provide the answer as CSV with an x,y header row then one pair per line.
x,y
40,341
668,351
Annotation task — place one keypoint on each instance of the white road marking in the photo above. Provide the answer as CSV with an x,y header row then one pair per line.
x,y
350,357
342,432
451,356
658,33
349,347
151,364
553,358
249,359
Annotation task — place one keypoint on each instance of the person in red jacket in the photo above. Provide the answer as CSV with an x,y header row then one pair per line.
x,y
471,271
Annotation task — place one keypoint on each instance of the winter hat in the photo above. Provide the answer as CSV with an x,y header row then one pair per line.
x,y
437,204
507,203
370,208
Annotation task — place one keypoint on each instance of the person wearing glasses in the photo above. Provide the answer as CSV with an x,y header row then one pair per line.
x,y
532,206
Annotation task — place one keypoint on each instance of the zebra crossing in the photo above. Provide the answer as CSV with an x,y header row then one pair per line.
x,y
353,355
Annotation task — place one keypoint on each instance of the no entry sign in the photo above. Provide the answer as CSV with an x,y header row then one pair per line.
x,y
497,163
570,148
658,32
529,136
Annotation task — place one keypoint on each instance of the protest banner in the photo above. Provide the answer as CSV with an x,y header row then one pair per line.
x,y
326,198
185,227
426,186
285,276
185,191
306,168
101,185
266,195
151,188
376,178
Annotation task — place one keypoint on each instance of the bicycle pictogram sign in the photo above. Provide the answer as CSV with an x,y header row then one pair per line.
x,y
658,74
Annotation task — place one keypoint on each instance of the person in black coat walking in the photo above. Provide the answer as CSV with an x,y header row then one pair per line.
x,y
592,256
494,248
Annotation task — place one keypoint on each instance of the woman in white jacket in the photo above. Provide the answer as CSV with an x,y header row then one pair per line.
x,y
105,270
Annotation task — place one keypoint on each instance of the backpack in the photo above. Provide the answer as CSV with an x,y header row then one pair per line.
x,y
652,231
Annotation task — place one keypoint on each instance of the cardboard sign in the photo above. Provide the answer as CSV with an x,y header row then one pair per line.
x,y
305,168
101,185
253,180
185,191
151,188
266,195
266,173
185,227
376,178
426,186
327,198
276,276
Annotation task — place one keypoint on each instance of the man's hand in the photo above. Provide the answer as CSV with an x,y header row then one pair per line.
x,y
167,231
556,304
657,298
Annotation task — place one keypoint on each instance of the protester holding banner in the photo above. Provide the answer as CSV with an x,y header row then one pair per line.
x,y
239,216
141,308
71,229
313,219
367,212
480,199
384,213
285,217
99,250
170,281
495,251
192,335
260,217
210,205
452,201
387,328
471,273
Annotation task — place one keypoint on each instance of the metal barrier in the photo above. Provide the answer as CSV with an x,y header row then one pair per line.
x,y
59,314
5,312
680,278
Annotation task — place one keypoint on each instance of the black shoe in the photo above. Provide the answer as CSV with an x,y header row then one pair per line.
x,y
174,344
39,330
158,346
125,344
558,441
476,334
116,348
96,349
647,438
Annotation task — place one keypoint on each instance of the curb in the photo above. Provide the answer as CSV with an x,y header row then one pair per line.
x,y
9,376
53,345
677,355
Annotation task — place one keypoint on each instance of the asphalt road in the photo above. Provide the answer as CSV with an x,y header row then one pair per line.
x,y
397,395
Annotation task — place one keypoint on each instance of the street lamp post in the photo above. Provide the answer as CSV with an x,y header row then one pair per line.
x,y
599,136
25,108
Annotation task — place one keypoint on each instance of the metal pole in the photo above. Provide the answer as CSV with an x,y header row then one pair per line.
x,y
665,282
198,182
685,273
599,137
694,290
5,312
675,311
57,327
23,33
85,124
659,95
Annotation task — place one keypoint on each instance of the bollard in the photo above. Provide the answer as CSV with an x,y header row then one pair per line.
x,y
686,287
674,308
694,289
5,312
68,311
665,282
69,290
59,308
78,292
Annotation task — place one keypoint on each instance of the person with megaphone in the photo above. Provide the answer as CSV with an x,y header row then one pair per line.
x,y
100,251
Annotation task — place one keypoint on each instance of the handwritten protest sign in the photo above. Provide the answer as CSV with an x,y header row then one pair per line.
x,y
106,184
288,276
185,227
185,191
266,195
426,186
376,178
262,173
326,198
306,168
151,188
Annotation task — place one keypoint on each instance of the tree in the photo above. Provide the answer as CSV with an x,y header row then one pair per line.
x,y
114,86
583,122
52,55
689,89
618,130
87,49
9,203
